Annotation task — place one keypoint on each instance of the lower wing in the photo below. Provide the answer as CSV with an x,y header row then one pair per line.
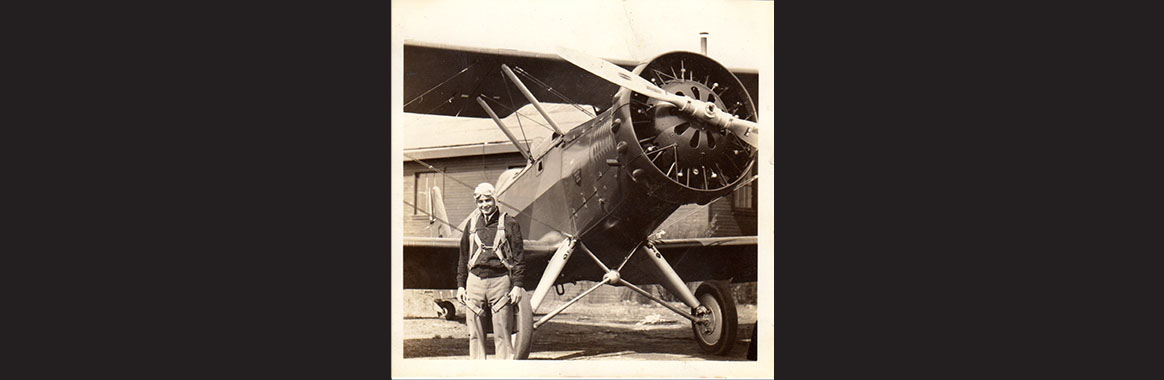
x,y
430,263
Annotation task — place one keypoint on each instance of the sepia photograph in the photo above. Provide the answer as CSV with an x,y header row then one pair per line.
x,y
580,181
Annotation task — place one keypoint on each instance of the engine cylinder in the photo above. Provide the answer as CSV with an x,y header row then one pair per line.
x,y
677,157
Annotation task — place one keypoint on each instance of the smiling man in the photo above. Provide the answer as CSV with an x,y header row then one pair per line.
x,y
490,271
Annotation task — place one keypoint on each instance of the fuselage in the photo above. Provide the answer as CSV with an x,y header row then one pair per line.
x,y
572,191
609,183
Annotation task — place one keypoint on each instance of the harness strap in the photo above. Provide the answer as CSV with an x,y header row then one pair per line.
x,y
473,231
499,238
498,241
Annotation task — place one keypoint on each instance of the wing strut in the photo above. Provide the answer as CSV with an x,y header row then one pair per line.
x,y
512,138
532,99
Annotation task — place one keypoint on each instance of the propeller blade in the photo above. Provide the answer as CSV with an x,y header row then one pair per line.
x,y
746,130
617,75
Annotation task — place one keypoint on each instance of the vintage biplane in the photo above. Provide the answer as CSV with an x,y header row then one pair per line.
x,y
674,130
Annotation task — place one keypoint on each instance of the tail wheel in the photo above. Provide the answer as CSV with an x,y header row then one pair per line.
x,y
446,310
718,335
522,327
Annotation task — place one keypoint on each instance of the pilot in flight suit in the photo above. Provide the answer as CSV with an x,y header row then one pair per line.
x,y
486,274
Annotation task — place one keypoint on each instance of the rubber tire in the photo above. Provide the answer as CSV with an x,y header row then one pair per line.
x,y
718,297
752,346
522,327
448,311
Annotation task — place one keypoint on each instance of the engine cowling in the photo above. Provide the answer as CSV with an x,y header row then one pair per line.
x,y
678,158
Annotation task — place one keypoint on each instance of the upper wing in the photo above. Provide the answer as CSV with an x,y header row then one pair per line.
x,y
431,263
446,80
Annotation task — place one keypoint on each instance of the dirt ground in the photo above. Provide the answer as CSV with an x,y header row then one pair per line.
x,y
618,331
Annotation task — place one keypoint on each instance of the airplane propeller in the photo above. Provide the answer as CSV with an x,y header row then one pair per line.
x,y
746,130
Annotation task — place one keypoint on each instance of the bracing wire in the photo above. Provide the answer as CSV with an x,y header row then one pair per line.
x,y
417,160
511,110
437,218
476,86
442,104
551,90
660,228
510,95
439,84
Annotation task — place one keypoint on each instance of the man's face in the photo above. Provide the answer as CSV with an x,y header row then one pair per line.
x,y
486,204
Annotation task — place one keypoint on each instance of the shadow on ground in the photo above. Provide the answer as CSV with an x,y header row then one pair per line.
x,y
580,340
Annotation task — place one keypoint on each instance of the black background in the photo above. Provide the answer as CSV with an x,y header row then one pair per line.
x,y
215,184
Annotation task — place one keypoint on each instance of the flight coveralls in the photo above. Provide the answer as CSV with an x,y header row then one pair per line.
x,y
489,280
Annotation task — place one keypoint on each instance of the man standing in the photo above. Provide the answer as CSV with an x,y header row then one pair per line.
x,y
490,271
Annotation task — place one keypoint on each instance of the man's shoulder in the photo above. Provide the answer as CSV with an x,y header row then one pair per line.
x,y
511,222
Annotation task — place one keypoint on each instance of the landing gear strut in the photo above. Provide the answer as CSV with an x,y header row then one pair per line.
x,y
713,309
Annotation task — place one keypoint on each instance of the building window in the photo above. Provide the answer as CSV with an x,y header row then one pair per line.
x,y
745,197
424,182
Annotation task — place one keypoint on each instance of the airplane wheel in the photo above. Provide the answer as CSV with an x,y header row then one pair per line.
x,y
719,336
752,346
523,327
447,311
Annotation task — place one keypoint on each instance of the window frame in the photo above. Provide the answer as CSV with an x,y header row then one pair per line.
x,y
752,188
438,181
